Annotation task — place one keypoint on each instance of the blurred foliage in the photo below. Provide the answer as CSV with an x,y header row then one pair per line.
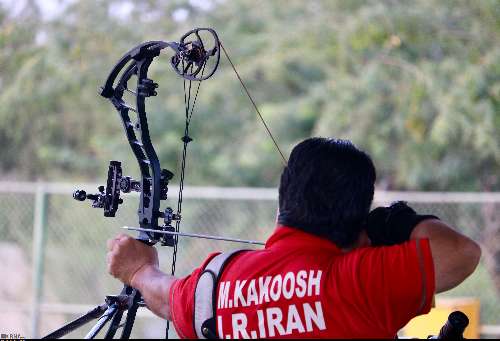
x,y
415,83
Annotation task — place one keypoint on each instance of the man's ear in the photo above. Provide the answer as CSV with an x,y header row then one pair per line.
x,y
363,241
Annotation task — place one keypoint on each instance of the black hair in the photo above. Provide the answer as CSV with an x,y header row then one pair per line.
x,y
327,189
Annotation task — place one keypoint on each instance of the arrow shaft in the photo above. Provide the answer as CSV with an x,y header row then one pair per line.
x,y
194,235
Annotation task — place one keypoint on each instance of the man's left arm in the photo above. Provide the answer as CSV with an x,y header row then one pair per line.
x,y
136,264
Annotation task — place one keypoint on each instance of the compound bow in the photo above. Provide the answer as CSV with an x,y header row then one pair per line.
x,y
196,58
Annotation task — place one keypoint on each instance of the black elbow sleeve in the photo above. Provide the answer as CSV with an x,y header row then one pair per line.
x,y
394,224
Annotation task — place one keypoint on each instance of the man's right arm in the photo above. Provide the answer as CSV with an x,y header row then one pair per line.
x,y
136,264
154,286
455,256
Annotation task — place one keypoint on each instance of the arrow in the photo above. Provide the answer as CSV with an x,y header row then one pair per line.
x,y
194,235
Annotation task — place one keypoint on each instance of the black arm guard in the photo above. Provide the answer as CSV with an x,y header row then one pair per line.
x,y
394,224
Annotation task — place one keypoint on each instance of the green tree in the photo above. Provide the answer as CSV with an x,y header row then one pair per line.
x,y
415,83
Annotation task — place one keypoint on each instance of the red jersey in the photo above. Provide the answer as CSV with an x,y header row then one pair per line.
x,y
303,286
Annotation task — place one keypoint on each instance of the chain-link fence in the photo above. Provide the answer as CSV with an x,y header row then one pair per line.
x,y
52,248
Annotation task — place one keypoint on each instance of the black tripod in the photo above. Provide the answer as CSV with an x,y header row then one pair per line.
x,y
112,310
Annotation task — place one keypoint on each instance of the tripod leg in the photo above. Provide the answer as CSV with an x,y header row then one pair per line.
x,y
108,315
132,311
115,324
82,320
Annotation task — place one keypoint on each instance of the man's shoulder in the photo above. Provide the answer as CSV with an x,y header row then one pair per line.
x,y
367,251
383,256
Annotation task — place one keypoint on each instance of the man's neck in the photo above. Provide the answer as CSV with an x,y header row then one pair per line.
x,y
363,241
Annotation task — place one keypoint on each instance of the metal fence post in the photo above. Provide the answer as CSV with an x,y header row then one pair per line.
x,y
39,238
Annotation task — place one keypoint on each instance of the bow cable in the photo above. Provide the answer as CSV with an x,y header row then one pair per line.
x,y
189,109
285,161
186,139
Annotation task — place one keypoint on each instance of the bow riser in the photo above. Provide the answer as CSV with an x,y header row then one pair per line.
x,y
189,61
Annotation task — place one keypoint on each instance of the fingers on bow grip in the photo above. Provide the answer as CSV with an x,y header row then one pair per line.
x,y
121,239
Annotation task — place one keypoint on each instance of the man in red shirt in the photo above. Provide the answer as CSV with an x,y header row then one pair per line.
x,y
330,269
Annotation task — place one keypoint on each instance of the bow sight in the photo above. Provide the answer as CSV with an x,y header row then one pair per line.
x,y
108,198
195,58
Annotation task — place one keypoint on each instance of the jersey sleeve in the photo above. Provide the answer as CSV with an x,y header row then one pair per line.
x,y
393,284
181,298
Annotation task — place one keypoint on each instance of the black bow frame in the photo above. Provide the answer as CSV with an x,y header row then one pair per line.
x,y
196,58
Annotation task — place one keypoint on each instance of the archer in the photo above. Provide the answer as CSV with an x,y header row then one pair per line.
x,y
330,269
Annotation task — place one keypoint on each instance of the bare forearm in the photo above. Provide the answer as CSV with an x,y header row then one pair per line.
x,y
455,256
154,286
